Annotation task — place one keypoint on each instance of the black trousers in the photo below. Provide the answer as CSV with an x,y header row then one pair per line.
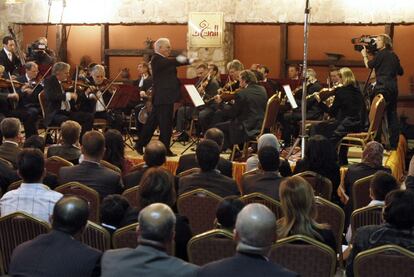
x,y
161,116
29,117
83,118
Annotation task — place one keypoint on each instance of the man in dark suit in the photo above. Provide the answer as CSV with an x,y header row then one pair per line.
x,y
89,172
154,156
209,178
255,233
189,161
9,150
247,113
166,92
69,149
7,57
57,253
155,232
267,179
59,104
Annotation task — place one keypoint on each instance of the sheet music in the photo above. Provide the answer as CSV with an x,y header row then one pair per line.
x,y
290,96
194,95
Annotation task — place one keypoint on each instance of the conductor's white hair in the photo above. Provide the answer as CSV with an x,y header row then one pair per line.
x,y
160,42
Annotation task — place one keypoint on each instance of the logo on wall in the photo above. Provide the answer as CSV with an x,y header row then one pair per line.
x,y
206,29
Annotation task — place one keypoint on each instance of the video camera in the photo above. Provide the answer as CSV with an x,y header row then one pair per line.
x,y
368,41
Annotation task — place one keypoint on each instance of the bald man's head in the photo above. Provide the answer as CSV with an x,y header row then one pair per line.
x,y
70,214
156,223
255,229
155,153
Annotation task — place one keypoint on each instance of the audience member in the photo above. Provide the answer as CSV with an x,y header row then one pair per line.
x,y
209,178
10,129
155,232
398,215
57,253
154,156
8,175
32,196
298,206
189,161
320,157
69,148
157,186
409,182
89,172
116,212
267,179
227,212
255,233
115,151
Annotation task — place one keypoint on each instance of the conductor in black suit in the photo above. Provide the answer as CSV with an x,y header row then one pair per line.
x,y
166,92
7,57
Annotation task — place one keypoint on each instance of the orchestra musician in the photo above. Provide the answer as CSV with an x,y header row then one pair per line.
x,y
165,93
144,84
271,86
8,57
334,77
60,103
247,113
293,76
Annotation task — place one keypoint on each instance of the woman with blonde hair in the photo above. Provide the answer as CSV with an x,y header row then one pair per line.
x,y
298,206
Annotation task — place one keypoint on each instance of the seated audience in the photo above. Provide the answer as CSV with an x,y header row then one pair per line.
x,y
298,206
209,178
252,162
227,212
320,157
398,215
116,213
69,148
154,156
381,184
57,253
8,175
189,161
115,151
265,180
255,233
90,172
10,129
32,197
157,186
155,232
409,182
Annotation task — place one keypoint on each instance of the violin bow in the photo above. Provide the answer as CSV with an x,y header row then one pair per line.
x,y
111,83
14,90
43,77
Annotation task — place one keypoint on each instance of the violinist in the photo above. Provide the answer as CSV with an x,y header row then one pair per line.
x,y
6,96
8,57
144,83
346,112
59,103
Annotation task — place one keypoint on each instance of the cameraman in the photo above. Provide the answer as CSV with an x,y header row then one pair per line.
x,y
387,66
40,54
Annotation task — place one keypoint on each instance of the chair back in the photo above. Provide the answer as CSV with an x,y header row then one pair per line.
x,y
42,101
14,185
270,115
90,195
110,166
126,237
322,186
332,215
137,167
54,163
131,195
6,162
15,229
376,113
211,246
199,206
96,236
188,172
260,198
360,192
366,216
386,260
305,256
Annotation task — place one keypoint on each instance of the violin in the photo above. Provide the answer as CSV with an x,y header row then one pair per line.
x,y
6,83
69,85
324,93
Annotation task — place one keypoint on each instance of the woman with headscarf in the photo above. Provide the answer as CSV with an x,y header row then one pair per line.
x,y
252,163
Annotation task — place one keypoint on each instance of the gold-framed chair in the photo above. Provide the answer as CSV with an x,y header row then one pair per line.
x,y
305,256
376,114
90,195
257,197
199,206
371,215
210,246
385,260
360,192
54,131
110,166
15,229
321,185
137,167
14,185
131,195
188,172
96,236
6,162
54,163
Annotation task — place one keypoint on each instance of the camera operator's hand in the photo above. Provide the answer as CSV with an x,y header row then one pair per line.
x,y
364,52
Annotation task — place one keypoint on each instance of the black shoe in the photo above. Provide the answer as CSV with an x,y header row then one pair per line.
x,y
170,153
139,149
49,139
183,137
